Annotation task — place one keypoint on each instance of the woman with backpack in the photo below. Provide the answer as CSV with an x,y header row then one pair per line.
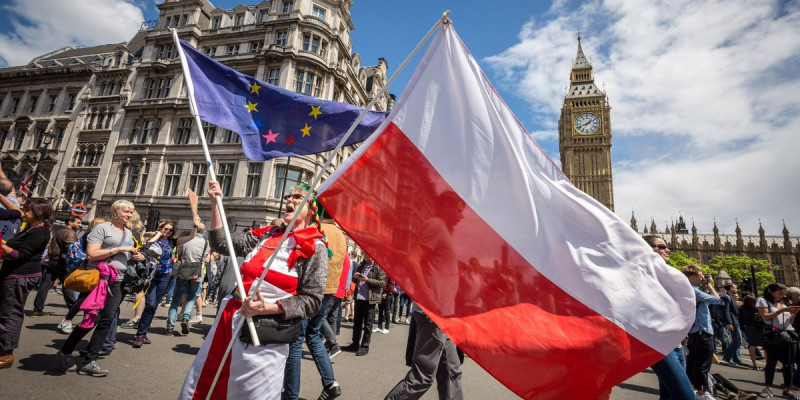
x,y
109,246
20,271
780,339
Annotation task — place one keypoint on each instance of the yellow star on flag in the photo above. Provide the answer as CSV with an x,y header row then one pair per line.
x,y
306,131
251,106
315,111
254,88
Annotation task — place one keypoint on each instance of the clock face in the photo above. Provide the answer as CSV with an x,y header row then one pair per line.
x,y
587,123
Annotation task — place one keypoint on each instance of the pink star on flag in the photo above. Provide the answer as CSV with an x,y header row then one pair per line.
x,y
271,136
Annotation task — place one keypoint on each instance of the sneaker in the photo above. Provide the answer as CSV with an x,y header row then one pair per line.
x,y
93,369
65,362
146,340
65,326
406,321
789,395
130,324
138,342
197,319
766,393
376,330
384,331
704,396
185,327
38,313
331,391
169,332
362,351
333,351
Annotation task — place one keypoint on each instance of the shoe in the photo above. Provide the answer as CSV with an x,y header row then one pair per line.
x,y
333,351
331,391
766,393
362,351
138,342
65,362
65,326
742,395
197,319
384,331
376,330
37,313
169,332
185,327
704,396
756,368
789,395
130,324
351,348
6,359
146,340
93,369
105,353
406,321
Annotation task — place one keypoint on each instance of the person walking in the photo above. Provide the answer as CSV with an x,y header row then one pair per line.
x,y
369,280
701,334
730,319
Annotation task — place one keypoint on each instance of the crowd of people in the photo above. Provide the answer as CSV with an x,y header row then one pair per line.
x,y
766,322
313,286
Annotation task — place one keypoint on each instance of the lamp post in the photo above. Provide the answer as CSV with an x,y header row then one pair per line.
x,y
47,138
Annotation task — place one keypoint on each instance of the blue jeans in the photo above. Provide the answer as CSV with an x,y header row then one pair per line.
x,y
170,291
313,338
732,352
182,288
673,383
158,287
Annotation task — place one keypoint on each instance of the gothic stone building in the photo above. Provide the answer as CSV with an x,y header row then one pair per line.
x,y
121,121
783,252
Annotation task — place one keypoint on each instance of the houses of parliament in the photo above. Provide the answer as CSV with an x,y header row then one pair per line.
x,y
584,134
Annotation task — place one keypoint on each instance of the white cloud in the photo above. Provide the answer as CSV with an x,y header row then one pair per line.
x,y
710,85
42,26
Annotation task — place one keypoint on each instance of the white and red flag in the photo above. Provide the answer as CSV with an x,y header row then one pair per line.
x,y
544,287
25,185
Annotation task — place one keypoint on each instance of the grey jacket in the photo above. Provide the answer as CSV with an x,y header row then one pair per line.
x,y
312,272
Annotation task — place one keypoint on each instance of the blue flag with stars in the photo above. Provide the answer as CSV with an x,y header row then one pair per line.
x,y
272,121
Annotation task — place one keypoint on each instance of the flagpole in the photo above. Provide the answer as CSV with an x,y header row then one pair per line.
x,y
60,196
213,176
257,285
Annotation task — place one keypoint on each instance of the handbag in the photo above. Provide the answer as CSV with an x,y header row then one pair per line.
x,y
775,337
192,271
84,279
273,329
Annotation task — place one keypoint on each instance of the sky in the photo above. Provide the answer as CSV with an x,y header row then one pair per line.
x,y
704,93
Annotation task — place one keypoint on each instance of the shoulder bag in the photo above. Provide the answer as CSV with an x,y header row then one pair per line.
x,y
775,337
85,278
192,271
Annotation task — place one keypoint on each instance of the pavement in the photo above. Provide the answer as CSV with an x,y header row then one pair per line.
x,y
157,370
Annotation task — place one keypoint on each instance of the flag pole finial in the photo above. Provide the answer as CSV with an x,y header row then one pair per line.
x,y
446,17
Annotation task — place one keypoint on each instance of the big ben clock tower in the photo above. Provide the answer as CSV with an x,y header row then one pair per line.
x,y
584,133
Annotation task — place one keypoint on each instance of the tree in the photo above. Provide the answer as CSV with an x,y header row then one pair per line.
x,y
679,259
738,267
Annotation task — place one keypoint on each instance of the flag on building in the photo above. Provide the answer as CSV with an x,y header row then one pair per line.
x,y
25,185
544,287
272,121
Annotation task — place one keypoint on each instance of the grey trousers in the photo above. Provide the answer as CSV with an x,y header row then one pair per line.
x,y
434,355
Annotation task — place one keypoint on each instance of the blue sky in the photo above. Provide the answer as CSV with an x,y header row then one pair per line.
x,y
705,114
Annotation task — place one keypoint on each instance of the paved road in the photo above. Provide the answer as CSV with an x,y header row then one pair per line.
x,y
156,371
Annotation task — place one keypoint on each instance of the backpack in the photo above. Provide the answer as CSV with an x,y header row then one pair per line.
x,y
139,274
76,254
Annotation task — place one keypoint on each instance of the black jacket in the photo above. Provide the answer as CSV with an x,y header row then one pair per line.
x,y
30,245
376,280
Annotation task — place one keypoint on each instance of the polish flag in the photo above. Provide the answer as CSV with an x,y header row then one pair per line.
x,y
544,287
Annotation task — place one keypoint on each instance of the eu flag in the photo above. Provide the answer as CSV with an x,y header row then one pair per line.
x,y
272,121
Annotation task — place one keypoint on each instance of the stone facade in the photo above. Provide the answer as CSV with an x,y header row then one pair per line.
x,y
584,133
121,118
783,252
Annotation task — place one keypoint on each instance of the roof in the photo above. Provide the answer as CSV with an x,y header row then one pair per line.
x,y
82,52
580,60
580,90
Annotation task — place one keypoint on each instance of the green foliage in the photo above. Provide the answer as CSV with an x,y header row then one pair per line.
x,y
738,267
679,259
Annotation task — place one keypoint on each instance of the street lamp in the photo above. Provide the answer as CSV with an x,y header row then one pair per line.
x,y
47,138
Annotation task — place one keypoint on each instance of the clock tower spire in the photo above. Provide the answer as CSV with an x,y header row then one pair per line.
x,y
584,133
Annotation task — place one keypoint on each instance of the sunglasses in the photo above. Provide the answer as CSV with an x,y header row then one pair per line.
x,y
296,196
661,247
168,229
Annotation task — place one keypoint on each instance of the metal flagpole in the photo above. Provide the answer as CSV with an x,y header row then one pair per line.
x,y
442,20
54,189
283,185
213,177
